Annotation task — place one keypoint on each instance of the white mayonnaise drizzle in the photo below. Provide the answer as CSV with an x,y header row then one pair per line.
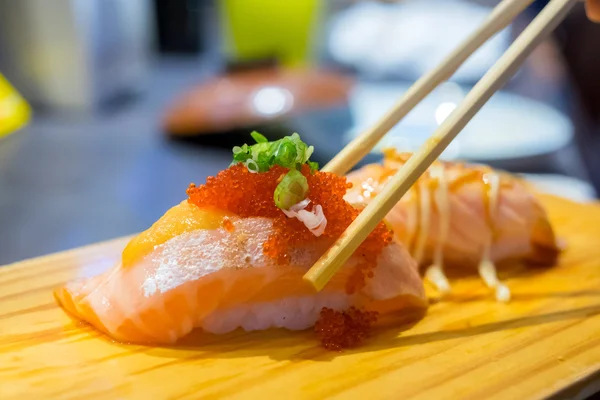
x,y
418,220
487,269
435,272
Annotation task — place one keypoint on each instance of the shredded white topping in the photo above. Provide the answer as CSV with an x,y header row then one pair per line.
x,y
297,207
314,221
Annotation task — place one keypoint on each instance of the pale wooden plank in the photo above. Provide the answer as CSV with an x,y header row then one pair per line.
x,y
545,341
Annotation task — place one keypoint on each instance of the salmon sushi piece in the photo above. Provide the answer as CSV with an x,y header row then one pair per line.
x,y
219,280
462,216
229,257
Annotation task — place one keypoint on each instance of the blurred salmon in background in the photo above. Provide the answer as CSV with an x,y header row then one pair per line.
x,y
271,70
593,9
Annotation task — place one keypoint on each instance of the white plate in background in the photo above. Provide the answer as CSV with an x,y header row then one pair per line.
x,y
407,39
563,186
508,126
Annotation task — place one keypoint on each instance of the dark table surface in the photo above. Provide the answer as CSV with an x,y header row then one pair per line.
x,y
71,180
67,181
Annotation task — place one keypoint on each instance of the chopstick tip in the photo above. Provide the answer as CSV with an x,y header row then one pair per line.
x,y
313,280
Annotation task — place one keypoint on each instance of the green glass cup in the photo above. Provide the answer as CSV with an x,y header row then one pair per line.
x,y
269,29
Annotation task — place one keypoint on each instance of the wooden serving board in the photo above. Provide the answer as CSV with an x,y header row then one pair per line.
x,y
546,342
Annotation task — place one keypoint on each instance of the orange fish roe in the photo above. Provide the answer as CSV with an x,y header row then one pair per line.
x,y
228,225
339,330
250,194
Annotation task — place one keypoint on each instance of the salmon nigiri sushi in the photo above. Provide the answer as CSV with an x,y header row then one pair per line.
x,y
233,255
461,215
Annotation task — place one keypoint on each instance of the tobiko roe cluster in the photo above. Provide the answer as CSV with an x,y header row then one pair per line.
x,y
249,194
338,330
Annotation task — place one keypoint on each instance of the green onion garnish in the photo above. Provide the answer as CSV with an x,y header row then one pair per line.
x,y
291,190
289,152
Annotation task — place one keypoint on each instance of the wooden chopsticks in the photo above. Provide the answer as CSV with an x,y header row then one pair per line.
x,y
498,19
322,271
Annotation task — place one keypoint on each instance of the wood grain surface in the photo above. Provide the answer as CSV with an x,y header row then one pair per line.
x,y
545,343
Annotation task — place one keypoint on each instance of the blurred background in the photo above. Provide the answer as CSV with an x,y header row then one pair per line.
x,y
110,108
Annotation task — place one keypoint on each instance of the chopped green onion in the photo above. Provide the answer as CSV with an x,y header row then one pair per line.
x,y
252,165
292,189
289,152
258,137
286,154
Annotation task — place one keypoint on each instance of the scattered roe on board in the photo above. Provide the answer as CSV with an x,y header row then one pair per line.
x,y
250,194
339,330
